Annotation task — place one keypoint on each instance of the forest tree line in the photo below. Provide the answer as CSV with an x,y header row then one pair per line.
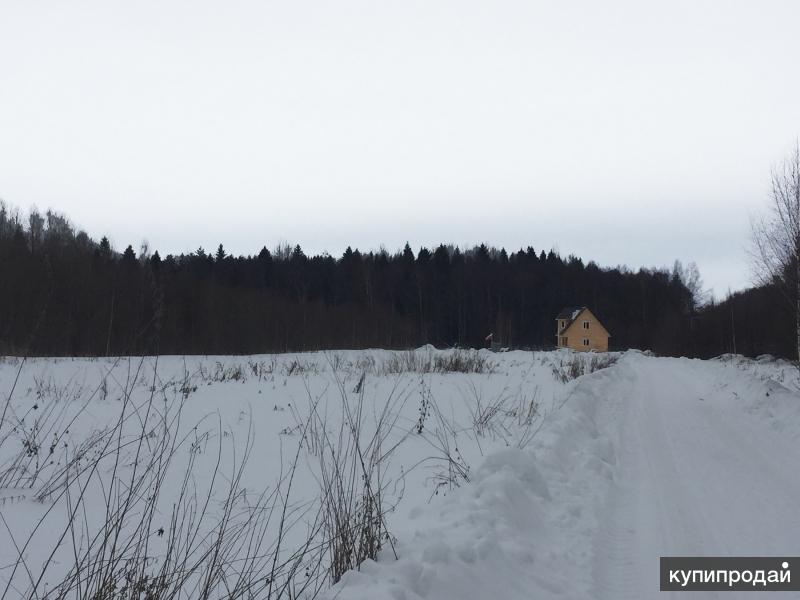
x,y
66,294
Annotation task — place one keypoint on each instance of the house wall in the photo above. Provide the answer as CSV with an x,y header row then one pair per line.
x,y
596,334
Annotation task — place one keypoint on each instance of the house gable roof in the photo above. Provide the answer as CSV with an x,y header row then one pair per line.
x,y
568,312
571,314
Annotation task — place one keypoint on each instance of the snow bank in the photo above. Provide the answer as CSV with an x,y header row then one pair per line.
x,y
519,530
488,539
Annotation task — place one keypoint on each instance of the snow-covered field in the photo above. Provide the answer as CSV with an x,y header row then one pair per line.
x,y
519,478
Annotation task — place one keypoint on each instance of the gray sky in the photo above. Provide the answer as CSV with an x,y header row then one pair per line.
x,y
626,132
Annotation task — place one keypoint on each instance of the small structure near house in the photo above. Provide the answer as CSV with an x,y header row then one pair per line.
x,y
577,328
491,344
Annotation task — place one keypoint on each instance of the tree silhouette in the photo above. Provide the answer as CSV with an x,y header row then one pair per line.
x,y
90,300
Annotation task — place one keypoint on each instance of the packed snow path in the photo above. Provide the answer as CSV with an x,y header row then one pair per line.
x,y
696,476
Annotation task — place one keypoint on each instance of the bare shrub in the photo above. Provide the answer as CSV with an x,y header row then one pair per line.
x,y
218,540
462,361
224,373
577,364
448,467
297,367
420,361
40,431
263,369
509,416
352,465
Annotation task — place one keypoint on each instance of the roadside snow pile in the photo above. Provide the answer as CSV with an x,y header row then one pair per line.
x,y
770,393
520,529
765,366
489,539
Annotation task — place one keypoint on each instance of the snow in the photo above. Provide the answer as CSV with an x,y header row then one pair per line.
x,y
649,457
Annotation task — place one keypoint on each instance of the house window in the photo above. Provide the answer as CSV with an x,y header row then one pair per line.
x,y
585,341
586,324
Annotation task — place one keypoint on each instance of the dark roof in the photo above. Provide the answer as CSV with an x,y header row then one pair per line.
x,y
569,311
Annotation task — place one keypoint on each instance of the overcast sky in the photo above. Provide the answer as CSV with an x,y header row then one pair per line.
x,y
625,132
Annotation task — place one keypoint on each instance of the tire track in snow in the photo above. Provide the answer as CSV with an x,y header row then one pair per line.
x,y
695,477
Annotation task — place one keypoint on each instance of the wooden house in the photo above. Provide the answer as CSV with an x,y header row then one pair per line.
x,y
577,328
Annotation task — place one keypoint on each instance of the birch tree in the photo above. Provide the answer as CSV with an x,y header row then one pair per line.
x,y
776,236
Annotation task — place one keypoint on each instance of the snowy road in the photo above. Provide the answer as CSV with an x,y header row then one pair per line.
x,y
696,475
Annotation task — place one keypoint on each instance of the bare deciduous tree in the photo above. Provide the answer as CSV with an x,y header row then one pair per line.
x,y
776,236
